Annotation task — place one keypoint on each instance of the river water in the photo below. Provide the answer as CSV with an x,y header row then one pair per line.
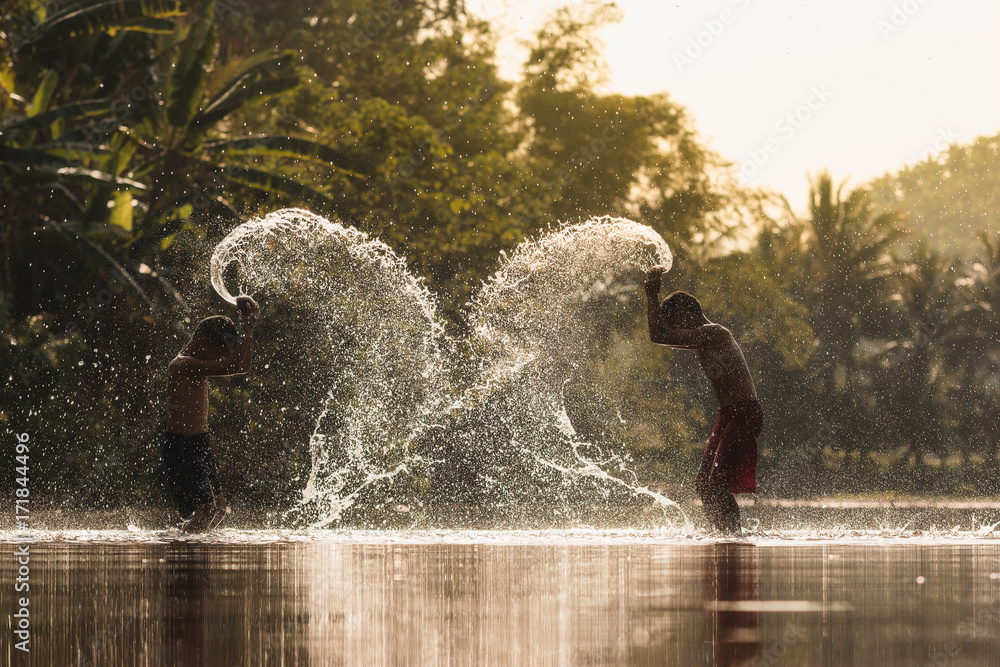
x,y
561,597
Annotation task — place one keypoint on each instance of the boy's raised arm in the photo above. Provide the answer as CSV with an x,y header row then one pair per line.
x,y
249,312
654,316
216,367
682,339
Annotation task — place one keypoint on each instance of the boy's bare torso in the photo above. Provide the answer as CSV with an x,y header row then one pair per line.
x,y
187,402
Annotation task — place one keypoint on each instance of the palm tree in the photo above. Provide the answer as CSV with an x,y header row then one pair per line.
x,y
840,268
931,295
974,352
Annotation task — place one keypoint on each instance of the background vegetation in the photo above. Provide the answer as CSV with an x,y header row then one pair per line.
x,y
135,133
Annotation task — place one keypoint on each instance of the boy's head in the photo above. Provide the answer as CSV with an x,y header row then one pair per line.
x,y
682,311
214,335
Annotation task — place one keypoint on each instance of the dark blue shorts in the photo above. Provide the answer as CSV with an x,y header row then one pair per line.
x,y
191,470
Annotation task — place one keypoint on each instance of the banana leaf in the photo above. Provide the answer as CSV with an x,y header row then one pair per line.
x,y
29,159
73,150
121,212
44,118
59,197
152,25
106,265
107,16
43,95
254,83
269,183
120,155
293,148
190,73
92,176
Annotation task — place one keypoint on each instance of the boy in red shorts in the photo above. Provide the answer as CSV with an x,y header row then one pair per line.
x,y
729,464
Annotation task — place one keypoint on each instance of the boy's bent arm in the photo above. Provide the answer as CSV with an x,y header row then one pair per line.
x,y
247,357
687,339
249,312
214,367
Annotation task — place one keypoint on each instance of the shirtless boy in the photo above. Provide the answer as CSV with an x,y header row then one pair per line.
x,y
215,349
729,464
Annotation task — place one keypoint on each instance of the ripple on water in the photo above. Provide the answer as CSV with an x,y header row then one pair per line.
x,y
578,536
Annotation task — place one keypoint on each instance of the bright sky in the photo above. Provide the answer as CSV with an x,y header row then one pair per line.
x,y
870,84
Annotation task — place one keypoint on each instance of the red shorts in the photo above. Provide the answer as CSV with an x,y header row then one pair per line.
x,y
730,458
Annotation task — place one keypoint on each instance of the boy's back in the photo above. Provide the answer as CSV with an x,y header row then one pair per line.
x,y
725,366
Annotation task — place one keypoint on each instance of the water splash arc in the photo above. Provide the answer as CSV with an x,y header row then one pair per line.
x,y
370,331
409,415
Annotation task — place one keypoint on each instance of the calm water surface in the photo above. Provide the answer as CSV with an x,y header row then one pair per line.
x,y
463,598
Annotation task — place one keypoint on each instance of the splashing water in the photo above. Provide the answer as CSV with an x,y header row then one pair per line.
x,y
486,422
539,325
371,332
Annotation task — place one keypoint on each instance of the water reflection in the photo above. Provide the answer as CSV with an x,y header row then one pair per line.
x,y
542,602
731,576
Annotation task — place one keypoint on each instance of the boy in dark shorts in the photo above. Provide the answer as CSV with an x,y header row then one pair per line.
x,y
729,464
215,349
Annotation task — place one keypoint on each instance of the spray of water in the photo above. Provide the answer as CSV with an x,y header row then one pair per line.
x,y
488,420
371,329
539,325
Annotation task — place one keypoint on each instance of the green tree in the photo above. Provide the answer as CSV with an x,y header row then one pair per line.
x,y
118,131
973,353
949,197
913,382
414,85
837,264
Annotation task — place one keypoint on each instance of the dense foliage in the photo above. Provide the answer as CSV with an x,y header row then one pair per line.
x,y
135,133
